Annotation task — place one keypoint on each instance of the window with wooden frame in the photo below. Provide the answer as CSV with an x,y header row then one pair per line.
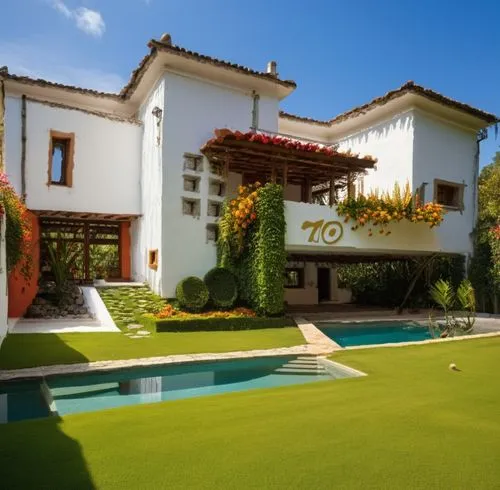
x,y
449,194
61,154
294,278
153,259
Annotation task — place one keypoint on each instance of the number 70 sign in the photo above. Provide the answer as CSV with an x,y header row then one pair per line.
x,y
328,232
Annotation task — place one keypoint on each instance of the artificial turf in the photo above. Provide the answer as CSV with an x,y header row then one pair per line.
x,y
28,350
411,424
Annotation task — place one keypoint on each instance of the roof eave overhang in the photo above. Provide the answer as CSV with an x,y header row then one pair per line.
x,y
167,61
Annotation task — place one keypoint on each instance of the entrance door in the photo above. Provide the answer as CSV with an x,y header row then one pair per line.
x,y
323,284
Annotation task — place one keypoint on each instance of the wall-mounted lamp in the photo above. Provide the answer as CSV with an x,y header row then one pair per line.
x,y
158,113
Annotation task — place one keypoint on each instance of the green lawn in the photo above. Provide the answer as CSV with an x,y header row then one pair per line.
x,y
28,350
127,304
411,424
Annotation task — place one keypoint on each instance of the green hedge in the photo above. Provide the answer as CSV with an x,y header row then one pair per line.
x,y
222,287
192,293
213,324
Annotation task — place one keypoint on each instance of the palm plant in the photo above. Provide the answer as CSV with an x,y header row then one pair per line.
x,y
62,257
443,295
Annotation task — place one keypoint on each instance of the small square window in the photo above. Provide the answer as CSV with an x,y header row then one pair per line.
x,y
191,184
214,208
216,169
193,162
217,188
153,259
191,207
212,233
294,278
60,168
449,194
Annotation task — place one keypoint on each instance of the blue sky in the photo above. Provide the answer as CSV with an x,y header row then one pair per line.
x,y
341,53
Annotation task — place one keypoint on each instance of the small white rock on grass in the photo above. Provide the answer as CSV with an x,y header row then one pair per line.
x,y
453,367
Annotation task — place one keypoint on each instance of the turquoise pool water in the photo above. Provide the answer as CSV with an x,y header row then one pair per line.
x,y
86,393
372,333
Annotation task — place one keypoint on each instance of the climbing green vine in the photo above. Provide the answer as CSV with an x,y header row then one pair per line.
x,y
252,244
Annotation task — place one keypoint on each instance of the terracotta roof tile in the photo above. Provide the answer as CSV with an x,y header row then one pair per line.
x,y
136,76
45,83
408,87
158,45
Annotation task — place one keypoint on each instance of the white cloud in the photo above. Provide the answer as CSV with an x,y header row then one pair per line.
x,y
32,59
87,20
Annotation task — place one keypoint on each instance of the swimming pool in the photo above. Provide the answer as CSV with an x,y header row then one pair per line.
x,y
69,394
373,333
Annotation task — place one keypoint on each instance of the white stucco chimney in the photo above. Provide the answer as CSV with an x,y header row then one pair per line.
x,y
272,68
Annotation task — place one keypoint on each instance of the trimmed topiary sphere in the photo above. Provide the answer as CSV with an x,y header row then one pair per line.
x,y
222,287
192,293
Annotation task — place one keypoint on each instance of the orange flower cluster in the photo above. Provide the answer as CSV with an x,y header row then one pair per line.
x,y
168,311
242,209
431,213
379,211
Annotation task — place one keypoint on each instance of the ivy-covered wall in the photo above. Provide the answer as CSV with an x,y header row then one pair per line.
x,y
256,252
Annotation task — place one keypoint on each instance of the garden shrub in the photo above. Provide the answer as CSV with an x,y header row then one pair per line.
x,y
192,293
218,324
222,287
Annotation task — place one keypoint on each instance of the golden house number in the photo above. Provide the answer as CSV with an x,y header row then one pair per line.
x,y
328,232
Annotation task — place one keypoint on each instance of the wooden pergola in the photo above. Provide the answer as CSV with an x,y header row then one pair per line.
x,y
286,161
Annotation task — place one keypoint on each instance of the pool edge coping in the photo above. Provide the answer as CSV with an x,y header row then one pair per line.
x,y
41,372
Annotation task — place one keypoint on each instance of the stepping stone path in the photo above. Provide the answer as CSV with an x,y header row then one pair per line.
x,y
137,337
143,332
134,326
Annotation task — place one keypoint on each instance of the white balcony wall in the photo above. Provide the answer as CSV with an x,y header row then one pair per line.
x,y
405,237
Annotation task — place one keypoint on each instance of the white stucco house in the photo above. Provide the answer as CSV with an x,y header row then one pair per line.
x,y
129,169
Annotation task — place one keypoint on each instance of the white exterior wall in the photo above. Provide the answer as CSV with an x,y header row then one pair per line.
x,y
147,231
193,109
391,142
106,171
446,152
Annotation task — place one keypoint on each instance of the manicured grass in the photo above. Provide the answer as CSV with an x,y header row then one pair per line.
x,y
28,350
411,424
127,304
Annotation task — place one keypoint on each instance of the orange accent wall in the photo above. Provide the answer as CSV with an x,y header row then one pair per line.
x,y
22,292
125,250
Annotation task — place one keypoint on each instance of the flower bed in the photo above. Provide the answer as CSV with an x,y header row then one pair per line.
x,y
170,319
